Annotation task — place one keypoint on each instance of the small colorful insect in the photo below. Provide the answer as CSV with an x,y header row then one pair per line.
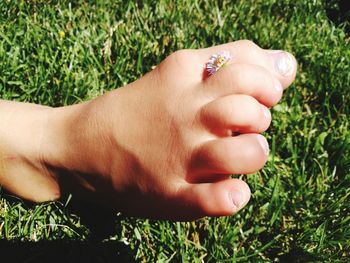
x,y
216,61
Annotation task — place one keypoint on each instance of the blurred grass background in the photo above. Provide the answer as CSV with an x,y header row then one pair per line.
x,y
60,52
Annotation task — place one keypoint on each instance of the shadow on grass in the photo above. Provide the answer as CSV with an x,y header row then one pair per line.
x,y
339,12
64,251
101,222
299,255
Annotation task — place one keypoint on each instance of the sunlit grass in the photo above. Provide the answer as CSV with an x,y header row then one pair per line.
x,y
62,52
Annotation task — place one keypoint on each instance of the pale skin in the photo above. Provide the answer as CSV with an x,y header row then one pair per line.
x,y
161,147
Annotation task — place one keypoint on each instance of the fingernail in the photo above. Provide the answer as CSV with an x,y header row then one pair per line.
x,y
237,198
264,145
283,63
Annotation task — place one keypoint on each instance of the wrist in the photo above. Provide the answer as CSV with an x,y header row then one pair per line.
x,y
74,147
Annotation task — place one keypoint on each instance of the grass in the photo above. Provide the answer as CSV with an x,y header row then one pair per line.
x,y
61,52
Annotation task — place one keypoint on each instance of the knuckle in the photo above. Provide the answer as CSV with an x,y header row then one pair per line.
x,y
179,57
248,43
251,107
249,101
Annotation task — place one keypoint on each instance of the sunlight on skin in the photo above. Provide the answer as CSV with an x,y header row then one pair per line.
x,y
160,147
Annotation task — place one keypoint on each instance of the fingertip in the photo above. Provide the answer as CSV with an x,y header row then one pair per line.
x,y
222,198
239,194
266,119
284,66
242,154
